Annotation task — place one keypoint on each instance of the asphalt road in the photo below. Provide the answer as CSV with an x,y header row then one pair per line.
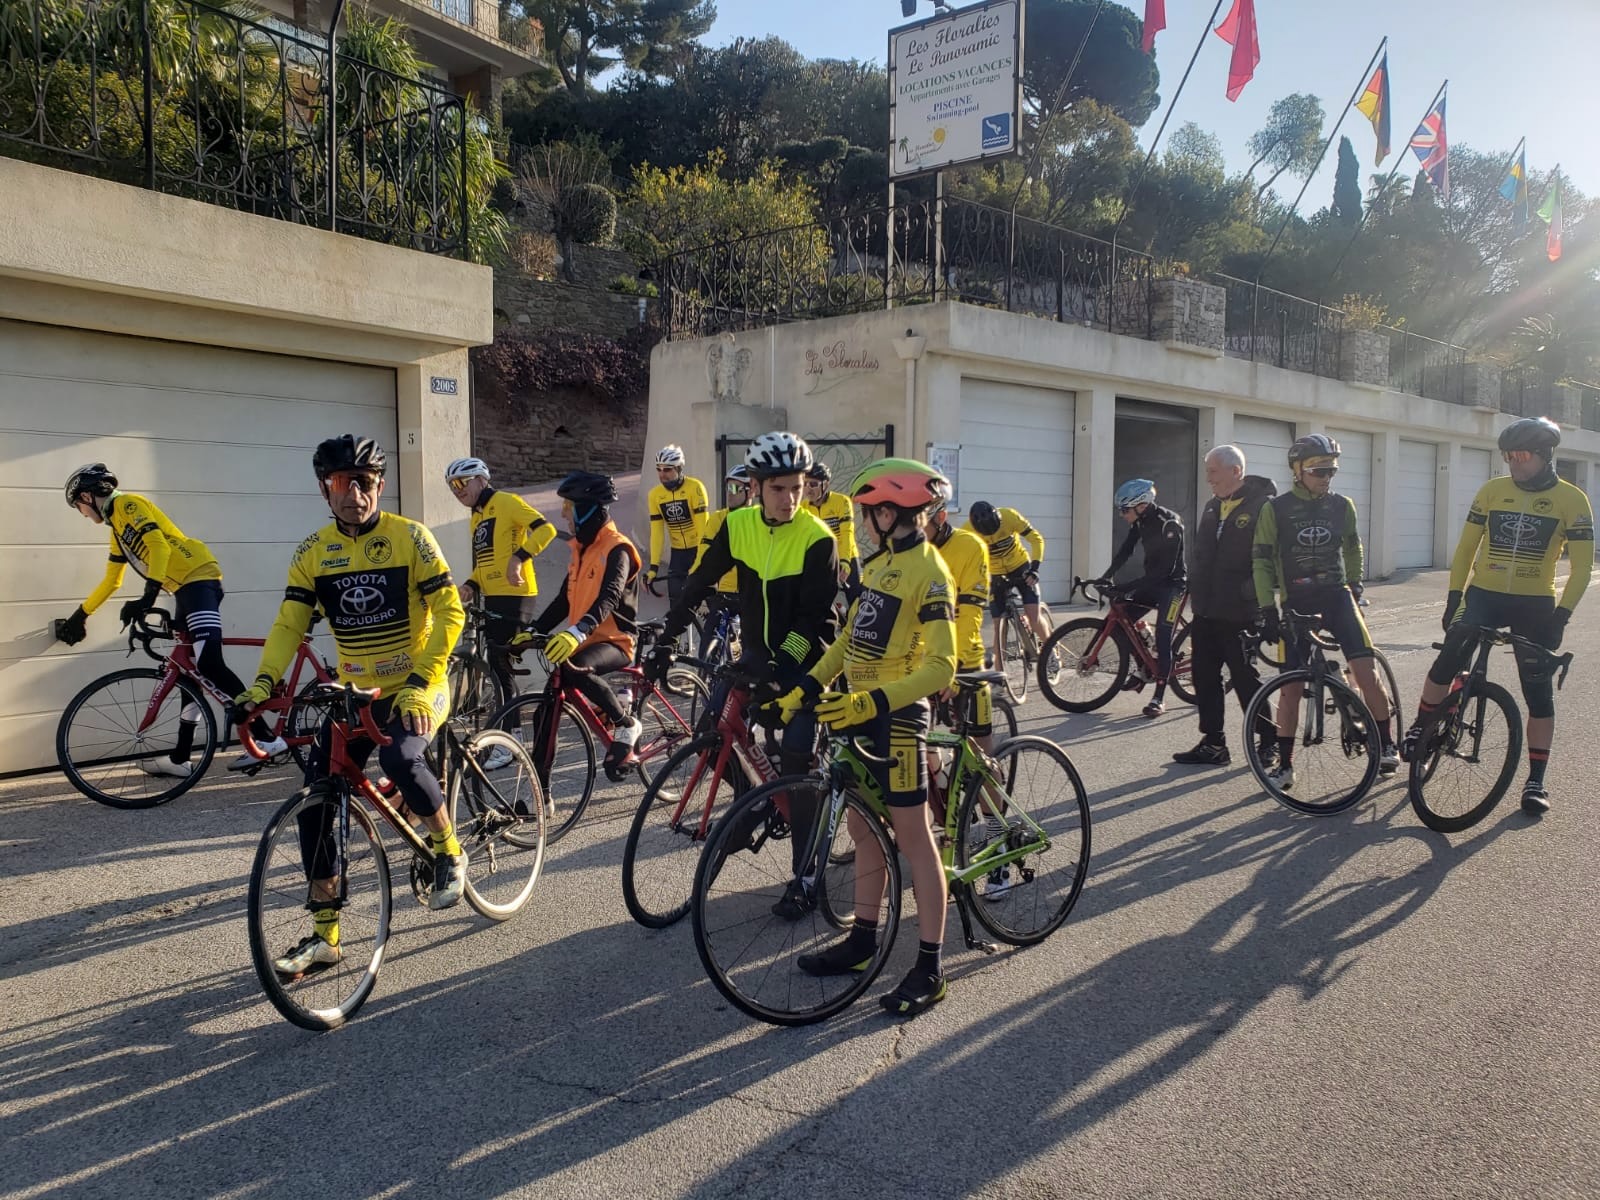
x,y
1246,1003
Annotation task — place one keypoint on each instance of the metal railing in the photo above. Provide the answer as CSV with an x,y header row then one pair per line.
x,y
185,98
1274,327
1424,366
456,10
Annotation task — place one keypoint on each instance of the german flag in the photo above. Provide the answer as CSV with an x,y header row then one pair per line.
x,y
1374,103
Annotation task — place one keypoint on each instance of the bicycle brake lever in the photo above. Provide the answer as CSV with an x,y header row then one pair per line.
x,y
1566,665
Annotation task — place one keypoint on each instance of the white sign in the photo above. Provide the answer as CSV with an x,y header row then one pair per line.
x,y
443,386
955,88
945,458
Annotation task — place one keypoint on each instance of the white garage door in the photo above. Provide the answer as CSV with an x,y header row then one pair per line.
x,y
1016,452
1266,447
1355,480
1477,468
220,439
1413,512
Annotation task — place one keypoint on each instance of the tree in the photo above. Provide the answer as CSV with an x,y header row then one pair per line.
x,y
564,185
1386,193
1193,148
666,211
1113,70
585,38
1290,139
1347,186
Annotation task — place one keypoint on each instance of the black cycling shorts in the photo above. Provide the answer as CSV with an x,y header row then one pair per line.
x,y
1000,587
901,737
1340,616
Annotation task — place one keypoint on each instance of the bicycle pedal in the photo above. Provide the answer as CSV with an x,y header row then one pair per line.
x,y
979,944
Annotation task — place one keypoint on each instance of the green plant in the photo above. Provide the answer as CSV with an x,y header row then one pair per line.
x,y
1363,312
630,285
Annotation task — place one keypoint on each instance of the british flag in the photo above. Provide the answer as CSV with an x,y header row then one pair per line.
x,y
1432,148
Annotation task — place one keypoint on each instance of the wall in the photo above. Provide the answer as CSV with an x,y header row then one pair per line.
x,y
532,438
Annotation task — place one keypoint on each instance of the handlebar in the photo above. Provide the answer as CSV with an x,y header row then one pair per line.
x,y
148,626
355,702
1562,663
1098,592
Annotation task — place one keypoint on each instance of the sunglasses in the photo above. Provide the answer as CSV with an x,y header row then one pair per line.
x,y
361,483
1127,508
460,485
1322,472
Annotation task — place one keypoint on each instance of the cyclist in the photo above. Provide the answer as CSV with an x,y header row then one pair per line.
x,y
899,650
1016,551
1223,593
966,557
507,532
1503,576
1307,545
599,601
737,483
395,616
143,535
1161,587
678,508
837,514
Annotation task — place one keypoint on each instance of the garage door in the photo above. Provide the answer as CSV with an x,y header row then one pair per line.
x,y
1413,512
1477,468
1016,451
1355,478
1266,447
220,439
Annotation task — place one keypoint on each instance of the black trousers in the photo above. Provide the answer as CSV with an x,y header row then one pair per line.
x,y
1214,644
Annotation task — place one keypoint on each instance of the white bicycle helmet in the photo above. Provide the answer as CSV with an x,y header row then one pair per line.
x,y
670,456
778,453
466,468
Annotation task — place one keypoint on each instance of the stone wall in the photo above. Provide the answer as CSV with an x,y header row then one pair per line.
x,y
524,304
532,438
1188,313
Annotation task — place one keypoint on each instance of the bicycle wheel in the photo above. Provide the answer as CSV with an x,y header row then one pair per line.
x,y
1181,679
666,728
1034,839
301,725
1048,662
1085,683
499,820
749,951
1012,656
475,693
113,733
669,829
1336,744
568,774
278,916
1390,687
1466,759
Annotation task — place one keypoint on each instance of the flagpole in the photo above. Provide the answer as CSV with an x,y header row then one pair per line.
x,y
1366,209
1461,236
1061,94
1361,86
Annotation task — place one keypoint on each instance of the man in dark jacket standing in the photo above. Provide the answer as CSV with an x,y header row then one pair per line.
x,y
1222,594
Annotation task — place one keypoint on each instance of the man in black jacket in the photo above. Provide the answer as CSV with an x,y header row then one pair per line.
x,y
1160,531
1222,594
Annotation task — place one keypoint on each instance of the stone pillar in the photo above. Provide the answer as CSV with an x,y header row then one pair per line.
x,y
1093,480
434,421
1566,405
1188,315
1364,358
1480,386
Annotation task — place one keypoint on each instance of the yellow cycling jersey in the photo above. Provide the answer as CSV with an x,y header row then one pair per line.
x,y
901,639
389,600
838,514
678,516
143,536
1010,545
728,585
1513,540
967,559
504,524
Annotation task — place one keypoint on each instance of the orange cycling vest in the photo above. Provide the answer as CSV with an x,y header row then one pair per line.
x,y
584,574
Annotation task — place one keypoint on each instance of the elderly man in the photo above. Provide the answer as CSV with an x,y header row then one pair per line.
x,y
1222,593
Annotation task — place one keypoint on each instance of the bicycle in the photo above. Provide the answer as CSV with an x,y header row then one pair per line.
x,y
1101,656
559,727
1273,655
1027,843
128,716
476,693
323,850
1017,650
1462,733
1333,767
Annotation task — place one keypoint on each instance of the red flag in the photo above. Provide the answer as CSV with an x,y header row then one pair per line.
x,y
1155,20
1238,28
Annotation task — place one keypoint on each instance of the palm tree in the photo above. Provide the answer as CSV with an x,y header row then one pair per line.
x,y
1387,194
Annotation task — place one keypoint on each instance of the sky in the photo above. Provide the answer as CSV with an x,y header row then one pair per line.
x,y
1515,69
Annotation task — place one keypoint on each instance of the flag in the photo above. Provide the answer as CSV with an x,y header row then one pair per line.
x,y
1374,103
1432,148
1515,188
1155,20
1238,29
1550,213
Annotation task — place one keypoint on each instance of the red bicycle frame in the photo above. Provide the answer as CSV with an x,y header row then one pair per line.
x,y
1119,618
559,692
734,740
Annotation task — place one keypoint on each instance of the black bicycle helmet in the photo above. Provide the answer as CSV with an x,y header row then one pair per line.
x,y
348,453
94,478
821,471
1539,434
985,518
588,488
1313,445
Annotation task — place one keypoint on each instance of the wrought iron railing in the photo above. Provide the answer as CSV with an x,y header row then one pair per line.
x,y
1273,327
1424,366
914,253
181,97
456,10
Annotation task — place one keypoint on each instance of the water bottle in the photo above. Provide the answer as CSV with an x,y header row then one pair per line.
x,y
942,758
624,692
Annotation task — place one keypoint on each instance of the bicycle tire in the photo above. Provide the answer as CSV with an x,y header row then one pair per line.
x,y
665,839
302,721
1347,707
476,694
1062,820
663,733
569,780
735,878
277,907
1181,678
1012,658
499,820
101,759
1391,688
1071,641
1048,665
1431,754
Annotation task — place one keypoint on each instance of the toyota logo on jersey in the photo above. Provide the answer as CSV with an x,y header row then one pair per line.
x,y
1315,536
359,601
